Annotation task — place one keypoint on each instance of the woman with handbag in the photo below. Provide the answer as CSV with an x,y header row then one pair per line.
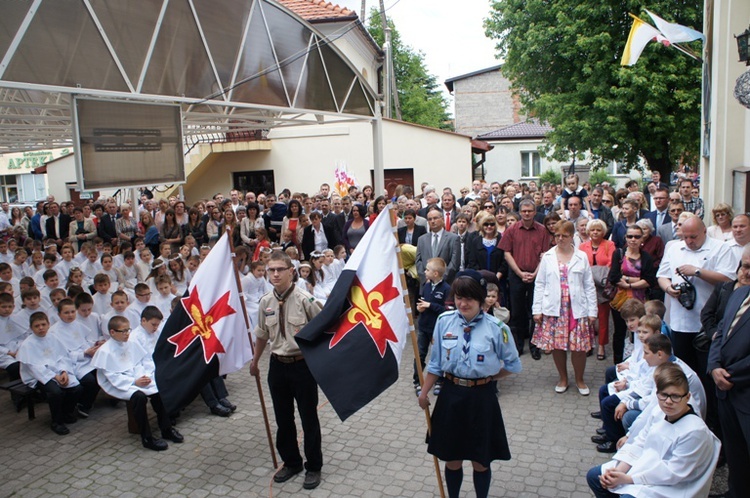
x,y
632,272
599,251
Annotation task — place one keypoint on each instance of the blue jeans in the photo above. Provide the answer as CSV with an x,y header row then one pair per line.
x,y
629,418
596,487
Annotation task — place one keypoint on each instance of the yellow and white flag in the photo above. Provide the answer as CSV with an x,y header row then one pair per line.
x,y
640,34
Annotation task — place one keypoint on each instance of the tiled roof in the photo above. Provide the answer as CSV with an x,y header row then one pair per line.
x,y
318,10
526,129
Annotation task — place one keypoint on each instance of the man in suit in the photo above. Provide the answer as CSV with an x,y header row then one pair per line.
x,y
317,236
600,211
106,227
655,184
438,243
547,207
449,210
328,219
432,199
660,215
667,231
729,366
343,215
57,225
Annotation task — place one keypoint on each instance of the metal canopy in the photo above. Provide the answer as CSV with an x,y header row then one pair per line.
x,y
233,65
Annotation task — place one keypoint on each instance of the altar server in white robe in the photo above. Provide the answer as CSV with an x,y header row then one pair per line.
x,y
672,457
81,343
45,363
11,337
126,371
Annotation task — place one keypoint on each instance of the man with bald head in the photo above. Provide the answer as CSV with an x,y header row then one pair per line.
x,y
704,262
740,234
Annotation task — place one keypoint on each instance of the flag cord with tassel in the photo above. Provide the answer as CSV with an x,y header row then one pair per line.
x,y
413,333
252,348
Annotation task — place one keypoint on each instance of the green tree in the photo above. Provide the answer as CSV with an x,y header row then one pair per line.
x,y
418,91
563,57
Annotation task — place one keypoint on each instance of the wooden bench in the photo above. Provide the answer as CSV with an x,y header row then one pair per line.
x,y
22,393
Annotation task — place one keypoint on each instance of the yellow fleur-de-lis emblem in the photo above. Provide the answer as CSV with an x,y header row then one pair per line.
x,y
201,327
364,307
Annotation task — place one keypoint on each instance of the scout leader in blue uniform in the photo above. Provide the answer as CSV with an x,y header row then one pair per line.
x,y
472,350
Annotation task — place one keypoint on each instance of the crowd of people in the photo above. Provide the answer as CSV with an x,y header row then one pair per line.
x,y
529,265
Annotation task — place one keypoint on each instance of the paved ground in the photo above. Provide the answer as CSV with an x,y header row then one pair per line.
x,y
378,452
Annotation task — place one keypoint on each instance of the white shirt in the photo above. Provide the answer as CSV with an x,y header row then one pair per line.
x,y
119,364
713,256
321,242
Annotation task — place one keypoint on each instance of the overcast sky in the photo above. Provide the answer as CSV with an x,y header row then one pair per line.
x,y
448,32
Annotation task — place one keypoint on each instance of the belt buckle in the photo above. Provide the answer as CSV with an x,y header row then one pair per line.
x,y
463,382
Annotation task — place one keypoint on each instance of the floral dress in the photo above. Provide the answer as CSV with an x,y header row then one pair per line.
x,y
564,332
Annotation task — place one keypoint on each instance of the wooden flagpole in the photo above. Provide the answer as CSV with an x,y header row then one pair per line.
x,y
252,349
412,331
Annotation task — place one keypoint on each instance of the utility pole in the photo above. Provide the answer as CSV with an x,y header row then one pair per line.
x,y
389,78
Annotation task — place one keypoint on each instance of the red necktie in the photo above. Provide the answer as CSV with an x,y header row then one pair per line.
x,y
448,221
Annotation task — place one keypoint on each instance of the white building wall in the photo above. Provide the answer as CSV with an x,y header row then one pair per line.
x,y
504,161
730,121
304,157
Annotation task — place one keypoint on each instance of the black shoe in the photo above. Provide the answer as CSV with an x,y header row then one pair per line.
x,y
227,404
608,447
70,419
599,439
60,429
173,435
601,431
520,351
536,354
18,402
287,473
221,411
596,415
154,444
312,479
82,412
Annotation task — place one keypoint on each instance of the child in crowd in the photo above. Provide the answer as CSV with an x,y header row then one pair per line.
x,y
193,263
158,269
6,275
51,282
11,337
293,254
31,304
492,306
431,304
143,266
91,267
330,265
148,324
81,344
305,280
323,287
178,274
655,307
254,286
164,295
101,295
75,278
50,261
287,239
5,255
36,264
261,235
86,316
55,296
64,266
126,371
119,259
674,456
108,269
19,265
45,363
118,303
141,301
127,274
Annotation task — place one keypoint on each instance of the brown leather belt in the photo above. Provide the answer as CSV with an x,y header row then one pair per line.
x,y
467,382
287,359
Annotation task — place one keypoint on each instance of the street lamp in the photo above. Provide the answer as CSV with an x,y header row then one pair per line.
x,y
743,46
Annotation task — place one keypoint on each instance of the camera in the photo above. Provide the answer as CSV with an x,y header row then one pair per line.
x,y
686,290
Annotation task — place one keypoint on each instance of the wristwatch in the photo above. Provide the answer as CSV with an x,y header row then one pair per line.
x,y
698,273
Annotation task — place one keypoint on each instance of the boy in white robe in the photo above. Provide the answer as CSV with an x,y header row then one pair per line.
x,y
11,337
81,344
86,316
674,456
6,275
145,333
102,296
118,305
126,371
45,363
136,307
254,286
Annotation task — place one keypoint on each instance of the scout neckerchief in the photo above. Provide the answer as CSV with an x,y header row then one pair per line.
x,y
467,334
281,298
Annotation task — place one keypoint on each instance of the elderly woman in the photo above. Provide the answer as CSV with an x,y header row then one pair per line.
x,y
582,234
565,307
126,226
472,350
599,251
651,243
633,273
722,228
81,230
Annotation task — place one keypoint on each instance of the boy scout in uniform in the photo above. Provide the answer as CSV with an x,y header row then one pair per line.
x,y
282,313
